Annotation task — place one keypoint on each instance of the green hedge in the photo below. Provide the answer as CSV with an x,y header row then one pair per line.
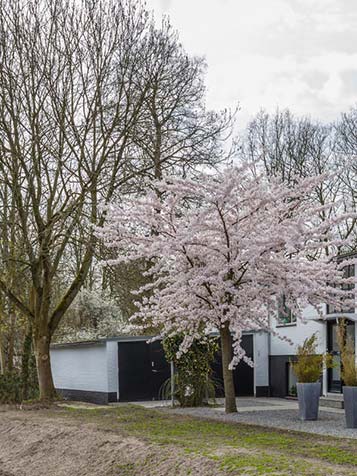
x,y
13,388
10,388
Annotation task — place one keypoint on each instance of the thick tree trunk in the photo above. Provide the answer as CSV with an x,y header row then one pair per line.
x,y
11,342
45,380
227,355
2,356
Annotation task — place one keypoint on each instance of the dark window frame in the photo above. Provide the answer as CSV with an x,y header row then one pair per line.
x,y
285,316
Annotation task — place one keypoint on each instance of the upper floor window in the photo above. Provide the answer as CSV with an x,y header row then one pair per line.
x,y
285,314
348,272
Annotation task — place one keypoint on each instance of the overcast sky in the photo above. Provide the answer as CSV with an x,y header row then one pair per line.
x,y
300,54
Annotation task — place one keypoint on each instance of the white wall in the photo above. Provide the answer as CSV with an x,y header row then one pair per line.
x,y
297,333
83,367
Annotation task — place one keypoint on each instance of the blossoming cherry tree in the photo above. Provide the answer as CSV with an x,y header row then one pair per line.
x,y
224,250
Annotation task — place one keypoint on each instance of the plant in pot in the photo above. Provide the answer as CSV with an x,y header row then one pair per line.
x,y
308,369
348,374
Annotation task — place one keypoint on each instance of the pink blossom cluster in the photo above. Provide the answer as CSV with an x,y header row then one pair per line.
x,y
225,248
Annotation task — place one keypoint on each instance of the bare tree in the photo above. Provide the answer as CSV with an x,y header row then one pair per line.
x,y
176,132
290,147
61,151
345,149
293,148
77,80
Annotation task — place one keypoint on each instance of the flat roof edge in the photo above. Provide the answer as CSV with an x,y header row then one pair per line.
x,y
101,341
59,345
127,339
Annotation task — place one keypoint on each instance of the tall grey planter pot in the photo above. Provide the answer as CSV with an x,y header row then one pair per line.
x,y
308,397
350,401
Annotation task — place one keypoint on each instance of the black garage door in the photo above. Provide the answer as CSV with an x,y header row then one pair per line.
x,y
142,370
243,373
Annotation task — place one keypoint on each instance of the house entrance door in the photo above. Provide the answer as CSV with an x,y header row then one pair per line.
x,y
334,375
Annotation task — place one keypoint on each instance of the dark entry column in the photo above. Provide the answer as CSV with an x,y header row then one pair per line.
x,y
243,374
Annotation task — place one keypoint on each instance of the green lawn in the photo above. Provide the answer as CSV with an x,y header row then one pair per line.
x,y
235,449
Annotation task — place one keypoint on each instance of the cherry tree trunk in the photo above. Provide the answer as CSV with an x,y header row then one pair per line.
x,y
44,372
227,355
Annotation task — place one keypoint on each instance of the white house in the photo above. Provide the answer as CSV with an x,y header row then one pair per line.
x,y
129,368
281,378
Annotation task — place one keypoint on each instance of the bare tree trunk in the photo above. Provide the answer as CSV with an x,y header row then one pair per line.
x,y
25,363
11,340
227,355
43,361
2,356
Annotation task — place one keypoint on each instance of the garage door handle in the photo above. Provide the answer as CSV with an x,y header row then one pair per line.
x,y
156,371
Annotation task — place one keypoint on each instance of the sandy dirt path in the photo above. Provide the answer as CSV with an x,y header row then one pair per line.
x,y
34,445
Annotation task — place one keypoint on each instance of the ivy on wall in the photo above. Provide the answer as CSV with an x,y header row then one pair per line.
x,y
193,370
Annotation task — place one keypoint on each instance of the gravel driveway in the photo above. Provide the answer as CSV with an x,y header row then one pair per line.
x,y
275,413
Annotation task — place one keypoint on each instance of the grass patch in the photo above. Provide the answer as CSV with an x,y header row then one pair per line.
x,y
237,448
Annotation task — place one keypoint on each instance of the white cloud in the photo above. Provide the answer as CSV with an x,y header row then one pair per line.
x,y
291,53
